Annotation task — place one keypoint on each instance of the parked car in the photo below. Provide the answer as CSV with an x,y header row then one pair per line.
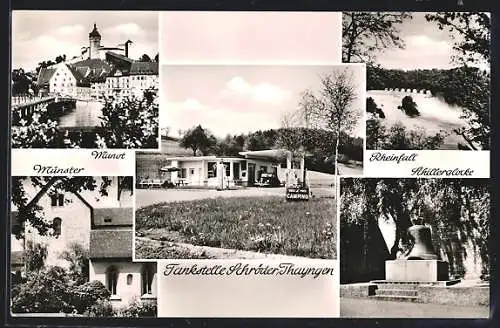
x,y
268,180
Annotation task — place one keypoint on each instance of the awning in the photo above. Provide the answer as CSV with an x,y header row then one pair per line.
x,y
273,154
170,169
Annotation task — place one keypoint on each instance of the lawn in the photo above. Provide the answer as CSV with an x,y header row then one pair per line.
x,y
260,224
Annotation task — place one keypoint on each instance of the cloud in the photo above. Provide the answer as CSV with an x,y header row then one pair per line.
x,y
130,29
70,30
192,104
424,44
261,92
421,52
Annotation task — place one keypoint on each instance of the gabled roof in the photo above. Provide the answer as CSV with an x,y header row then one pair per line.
x,y
144,68
113,56
106,244
92,70
45,75
109,217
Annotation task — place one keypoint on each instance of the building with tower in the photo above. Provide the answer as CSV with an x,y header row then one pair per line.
x,y
100,72
94,43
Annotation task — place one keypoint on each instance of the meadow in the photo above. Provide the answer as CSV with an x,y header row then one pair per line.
x,y
265,224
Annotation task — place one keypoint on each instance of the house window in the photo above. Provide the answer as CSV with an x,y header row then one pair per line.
x,y
236,171
148,272
191,171
227,165
129,279
212,169
112,279
57,200
182,173
56,226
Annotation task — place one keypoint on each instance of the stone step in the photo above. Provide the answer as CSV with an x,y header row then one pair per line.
x,y
397,298
398,292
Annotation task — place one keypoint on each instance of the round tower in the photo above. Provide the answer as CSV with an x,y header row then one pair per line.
x,y
95,43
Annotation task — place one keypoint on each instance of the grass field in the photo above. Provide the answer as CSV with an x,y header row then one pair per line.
x,y
262,224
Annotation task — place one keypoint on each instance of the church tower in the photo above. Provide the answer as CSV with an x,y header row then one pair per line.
x,y
95,43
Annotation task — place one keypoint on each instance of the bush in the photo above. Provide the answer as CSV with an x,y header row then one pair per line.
x,y
102,308
371,107
88,294
140,308
398,137
44,291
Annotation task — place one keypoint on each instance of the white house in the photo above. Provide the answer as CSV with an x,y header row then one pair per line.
x,y
103,226
244,170
57,78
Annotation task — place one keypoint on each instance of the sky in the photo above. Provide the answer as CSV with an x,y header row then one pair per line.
x,y
231,99
426,47
250,37
44,35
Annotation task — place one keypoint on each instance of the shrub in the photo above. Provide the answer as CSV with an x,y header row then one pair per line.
x,y
88,294
102,308
398,137
44,291
140,308
371,107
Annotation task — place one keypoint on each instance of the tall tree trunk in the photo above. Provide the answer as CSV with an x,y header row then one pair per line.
x,y
337,189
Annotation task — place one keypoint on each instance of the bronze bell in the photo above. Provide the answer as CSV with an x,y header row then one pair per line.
x,y
422,248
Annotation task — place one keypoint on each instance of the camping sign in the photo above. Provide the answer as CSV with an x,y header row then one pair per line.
x,y
297,193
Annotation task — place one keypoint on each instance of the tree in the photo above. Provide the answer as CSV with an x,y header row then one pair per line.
x,y
89,294
131,123
474,41
60,59
198,139
157,58
332,109
457,210
372,108
46,291
78,259
28,210
398,137
35,256
472,34
145,58
364,33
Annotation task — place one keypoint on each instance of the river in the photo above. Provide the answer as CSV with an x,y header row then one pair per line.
x,y
435,114
85,114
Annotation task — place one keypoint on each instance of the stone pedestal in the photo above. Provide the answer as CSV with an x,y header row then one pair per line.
x,y
416,270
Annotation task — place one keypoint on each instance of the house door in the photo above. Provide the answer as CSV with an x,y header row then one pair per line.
x,y
251,174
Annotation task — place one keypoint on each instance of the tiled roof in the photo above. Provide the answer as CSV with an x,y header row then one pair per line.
x,y
45,75
91,70
144,68
105,244
111,56
118,216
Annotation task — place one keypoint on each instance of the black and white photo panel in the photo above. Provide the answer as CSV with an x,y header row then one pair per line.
x,y
414,248
428,78
71,249
88,79
249,160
